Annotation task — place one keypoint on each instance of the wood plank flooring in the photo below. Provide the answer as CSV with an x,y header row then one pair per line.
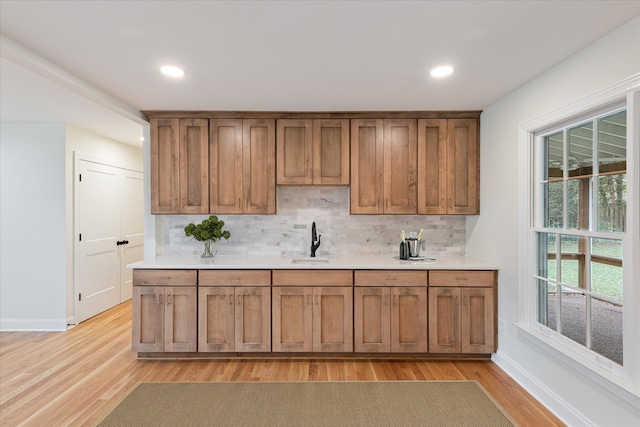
x,y
74,378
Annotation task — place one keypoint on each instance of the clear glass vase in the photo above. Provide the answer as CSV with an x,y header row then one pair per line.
x,y
209,250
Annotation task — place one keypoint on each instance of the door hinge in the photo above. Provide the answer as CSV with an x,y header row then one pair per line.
x,y
79,297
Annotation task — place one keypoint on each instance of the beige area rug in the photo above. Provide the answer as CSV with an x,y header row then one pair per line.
x,y
361,403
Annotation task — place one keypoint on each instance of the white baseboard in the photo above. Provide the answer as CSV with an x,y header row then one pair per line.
x,y
565,412
52,325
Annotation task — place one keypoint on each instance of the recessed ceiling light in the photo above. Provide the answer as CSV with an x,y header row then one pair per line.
x,y
171,71
442,71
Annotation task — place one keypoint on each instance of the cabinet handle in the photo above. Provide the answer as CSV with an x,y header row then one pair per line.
x,y
230,299
465,300
395,300
308,299
239,202
386,300
159,299
169,299
387,203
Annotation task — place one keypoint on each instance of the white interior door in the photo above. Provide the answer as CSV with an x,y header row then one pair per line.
x,y
110,235
97,270
131,228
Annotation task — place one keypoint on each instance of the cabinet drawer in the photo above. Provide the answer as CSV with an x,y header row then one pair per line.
x,y
390,278
462,278
312,278
234,278
165,277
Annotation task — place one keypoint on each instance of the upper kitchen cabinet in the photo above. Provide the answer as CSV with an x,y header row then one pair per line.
x,y
448,166
312,152
242,166
383,166
179,166
164,165
194,166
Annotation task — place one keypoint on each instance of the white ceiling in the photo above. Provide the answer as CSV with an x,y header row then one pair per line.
x,y
94,64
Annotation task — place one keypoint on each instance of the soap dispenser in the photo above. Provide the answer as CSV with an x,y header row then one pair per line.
x,y
404,248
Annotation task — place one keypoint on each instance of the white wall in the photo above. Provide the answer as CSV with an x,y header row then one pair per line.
x,y
36,252
493,236
32,226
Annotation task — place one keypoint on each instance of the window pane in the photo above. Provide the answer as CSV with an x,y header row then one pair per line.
x,y
612,143
606,267
606,329
574,315
578,203
612,203
572,203
553,204
547,300
547,255
580,155
553,153
572,260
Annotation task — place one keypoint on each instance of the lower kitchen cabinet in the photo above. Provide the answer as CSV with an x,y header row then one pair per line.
x,y
234,311
314,311
317,317
390,318
164,311
462,312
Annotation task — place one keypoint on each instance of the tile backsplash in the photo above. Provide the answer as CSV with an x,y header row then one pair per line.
x,y
289,232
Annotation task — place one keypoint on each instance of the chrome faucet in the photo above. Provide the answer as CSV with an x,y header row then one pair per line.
x,y
314,239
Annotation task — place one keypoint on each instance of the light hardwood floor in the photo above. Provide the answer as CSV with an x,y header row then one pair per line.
x,y
74,378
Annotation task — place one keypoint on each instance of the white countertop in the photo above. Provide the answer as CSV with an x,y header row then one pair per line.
x,y
346,262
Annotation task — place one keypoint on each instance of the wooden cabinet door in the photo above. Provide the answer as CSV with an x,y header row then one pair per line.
x,y
147,319
225,166
164,159
292,319
332,319
312,152
216,332
259,166
253,319
194,166
180,322
367,166
372,318
294,152
409,320
463,166
478,320
331,152
400,166
432,166
444,320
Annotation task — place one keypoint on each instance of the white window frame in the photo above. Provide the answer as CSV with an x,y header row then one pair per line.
x,y
622,380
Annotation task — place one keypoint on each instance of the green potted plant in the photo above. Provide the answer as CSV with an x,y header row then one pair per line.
x,y
208,232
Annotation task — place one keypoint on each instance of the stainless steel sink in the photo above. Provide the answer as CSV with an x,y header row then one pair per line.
x,y
310,261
